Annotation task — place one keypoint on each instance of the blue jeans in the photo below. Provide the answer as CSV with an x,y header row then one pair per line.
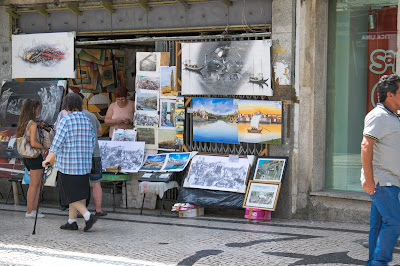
x,y
384,224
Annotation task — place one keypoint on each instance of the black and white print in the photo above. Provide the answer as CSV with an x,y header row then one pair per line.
x,y
147,62
143,118
127,154
217,173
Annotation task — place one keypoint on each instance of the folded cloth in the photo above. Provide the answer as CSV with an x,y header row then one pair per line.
x,y
157,187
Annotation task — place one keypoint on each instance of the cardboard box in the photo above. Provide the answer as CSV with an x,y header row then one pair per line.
x,y
258,214
192,212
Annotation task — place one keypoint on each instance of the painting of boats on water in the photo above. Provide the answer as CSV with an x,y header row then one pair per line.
x,y
260,121
154,162
227,68
215,120
177,161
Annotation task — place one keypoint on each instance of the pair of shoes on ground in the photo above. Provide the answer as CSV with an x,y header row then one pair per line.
x,y
33,214
74,226
98,214
63,208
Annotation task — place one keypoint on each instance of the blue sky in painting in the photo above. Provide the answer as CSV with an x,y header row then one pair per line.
x,y
179,156
215,106
156,158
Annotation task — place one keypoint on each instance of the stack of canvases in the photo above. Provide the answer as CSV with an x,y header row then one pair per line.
x,y
230,68
99,72
47,57
156,114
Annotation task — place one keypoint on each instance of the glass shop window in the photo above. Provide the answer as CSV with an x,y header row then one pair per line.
x,y
362,46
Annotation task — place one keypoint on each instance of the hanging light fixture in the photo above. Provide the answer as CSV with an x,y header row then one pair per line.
x,y
371,19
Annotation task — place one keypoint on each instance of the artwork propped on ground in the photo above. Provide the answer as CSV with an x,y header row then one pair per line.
x,y
48,93
270,169
262,195
215,120
218,173
127,154
227,68
44,55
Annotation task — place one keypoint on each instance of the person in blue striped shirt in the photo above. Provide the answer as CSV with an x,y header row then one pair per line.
x,y
72,148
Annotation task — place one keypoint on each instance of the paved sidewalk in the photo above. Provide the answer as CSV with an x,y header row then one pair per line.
x,y
127,238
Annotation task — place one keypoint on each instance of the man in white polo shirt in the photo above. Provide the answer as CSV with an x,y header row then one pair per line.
x,y
380,176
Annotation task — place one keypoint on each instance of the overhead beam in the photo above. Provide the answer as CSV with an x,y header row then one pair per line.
x,y
227,2
42,11
74,9
11,11
144,5
183,3
107,6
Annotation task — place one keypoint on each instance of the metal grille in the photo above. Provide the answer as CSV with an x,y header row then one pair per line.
x,y
209,147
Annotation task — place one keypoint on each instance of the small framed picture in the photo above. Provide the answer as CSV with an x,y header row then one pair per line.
x,y
270,169
262,195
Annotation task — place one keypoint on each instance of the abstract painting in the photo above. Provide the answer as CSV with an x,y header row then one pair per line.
x,y
260,121
127,154
167,139
146,100
262,195
8,148
147,82
169,88
167,113
215,120
227,68
177,162
147,135
218,173
48,93
146,118
44,55
154,162
270,169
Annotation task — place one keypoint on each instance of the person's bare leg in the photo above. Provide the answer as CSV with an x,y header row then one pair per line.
x,y
97,195
77,205
33,190
72,212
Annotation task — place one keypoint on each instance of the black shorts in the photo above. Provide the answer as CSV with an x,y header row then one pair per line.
x,y
33,163
96,174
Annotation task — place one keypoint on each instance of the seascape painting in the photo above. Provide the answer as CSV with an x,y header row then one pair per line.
x,y
154,162
148,135
260,121
147,82
167,139
167,113
227,68
270,169
43,55
127,154
215,120
48,93
169,88
143,118
146,100
177,161
217,173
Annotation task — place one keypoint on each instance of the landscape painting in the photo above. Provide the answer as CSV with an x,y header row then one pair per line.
x,y
154,162
48,93
177,161
167,139
148,135
260,121
146,100
44,55
262,195
270,169
169,88
143,118
227,68
217,173
147,82
128,155
167,113
215,120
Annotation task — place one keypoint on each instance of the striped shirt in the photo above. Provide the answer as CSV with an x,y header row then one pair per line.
x,y
73,144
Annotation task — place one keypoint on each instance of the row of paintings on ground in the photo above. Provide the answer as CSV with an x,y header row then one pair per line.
x,y
232,121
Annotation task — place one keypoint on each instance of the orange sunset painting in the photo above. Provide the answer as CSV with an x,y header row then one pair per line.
x,y
260,121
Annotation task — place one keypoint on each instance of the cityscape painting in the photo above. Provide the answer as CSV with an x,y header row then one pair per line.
x,y
177,161
154,162
127,154
262,195
270,169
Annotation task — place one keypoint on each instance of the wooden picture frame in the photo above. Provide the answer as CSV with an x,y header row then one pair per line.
x,y
262,195
269,168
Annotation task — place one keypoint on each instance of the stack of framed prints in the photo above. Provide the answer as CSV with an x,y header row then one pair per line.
x,y
263,191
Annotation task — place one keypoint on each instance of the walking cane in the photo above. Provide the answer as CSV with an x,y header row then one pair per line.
x,y
40,193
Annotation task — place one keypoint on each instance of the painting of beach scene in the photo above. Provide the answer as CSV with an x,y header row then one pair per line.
x,y
215,120
169,88
260,121
270,169
147,100
177,161
154,162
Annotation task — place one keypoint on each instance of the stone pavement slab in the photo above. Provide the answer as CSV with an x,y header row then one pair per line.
x,y
127,238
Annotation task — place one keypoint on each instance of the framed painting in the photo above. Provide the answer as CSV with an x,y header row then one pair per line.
x,y
270,169
262,195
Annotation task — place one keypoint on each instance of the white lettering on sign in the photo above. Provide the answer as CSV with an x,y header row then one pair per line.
x,y
381,60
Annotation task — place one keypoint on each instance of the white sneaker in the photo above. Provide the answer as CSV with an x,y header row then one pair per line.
x,y
33,215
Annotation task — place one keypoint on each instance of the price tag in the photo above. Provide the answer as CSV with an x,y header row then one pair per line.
x,y
233,158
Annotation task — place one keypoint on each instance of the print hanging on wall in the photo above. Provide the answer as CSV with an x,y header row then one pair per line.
x,y
143,118
215,120
167,139
48,93
151,62
146,100
44,55
227,68
218,173
167,113
148,135
169,88
147,82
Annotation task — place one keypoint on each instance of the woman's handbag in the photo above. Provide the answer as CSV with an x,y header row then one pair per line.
x,y
46,136
24,147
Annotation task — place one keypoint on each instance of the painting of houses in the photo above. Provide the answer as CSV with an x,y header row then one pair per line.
x,y
270,169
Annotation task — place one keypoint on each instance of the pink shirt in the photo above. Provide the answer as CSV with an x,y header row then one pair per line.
x,y
122,113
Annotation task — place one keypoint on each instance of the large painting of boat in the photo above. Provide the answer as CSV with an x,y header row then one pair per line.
x,y
226,68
